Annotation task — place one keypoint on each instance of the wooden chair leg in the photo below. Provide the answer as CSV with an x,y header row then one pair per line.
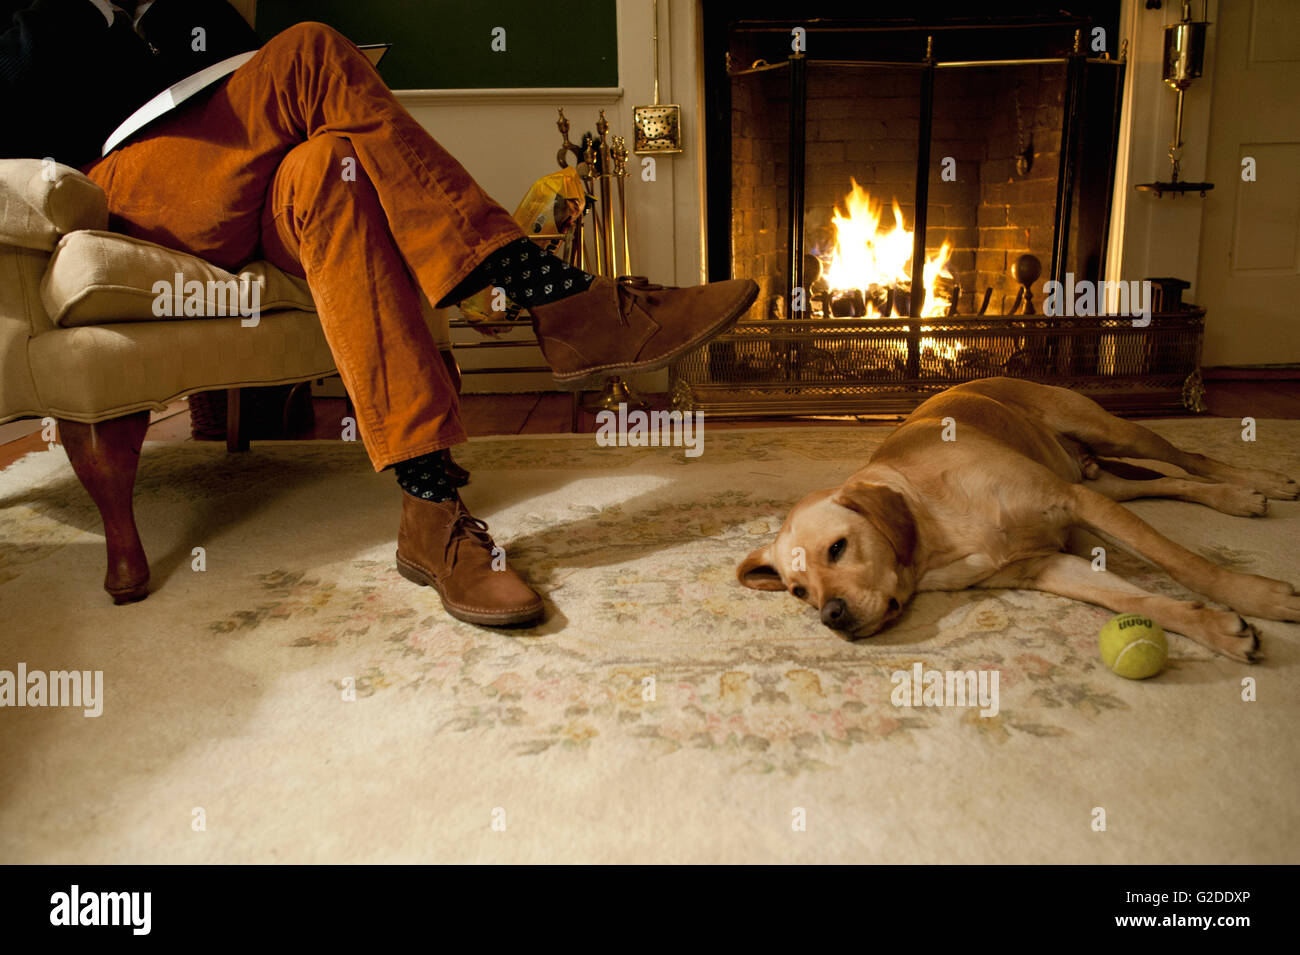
x,y
236,430
105,457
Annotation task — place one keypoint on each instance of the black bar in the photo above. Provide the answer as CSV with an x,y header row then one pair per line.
x,y
838,25
217,905
717,152
795,204
798,145
940,64
926,117
1074,75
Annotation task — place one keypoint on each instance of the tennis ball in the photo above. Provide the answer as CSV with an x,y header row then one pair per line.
x,y
1133,646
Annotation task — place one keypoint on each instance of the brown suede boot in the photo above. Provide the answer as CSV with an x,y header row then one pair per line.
x,y
628,325
441,546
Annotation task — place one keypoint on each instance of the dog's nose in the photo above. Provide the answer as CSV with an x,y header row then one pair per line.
x,y
835,614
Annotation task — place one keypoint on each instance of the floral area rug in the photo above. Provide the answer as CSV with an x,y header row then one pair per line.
x,y
297,700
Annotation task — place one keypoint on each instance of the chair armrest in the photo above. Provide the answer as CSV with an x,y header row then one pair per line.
x,y
41,201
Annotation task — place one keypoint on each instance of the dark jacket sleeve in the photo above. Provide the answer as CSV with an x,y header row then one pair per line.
x,y
66,79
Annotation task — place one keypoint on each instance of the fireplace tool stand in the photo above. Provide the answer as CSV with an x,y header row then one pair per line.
x,y
601,161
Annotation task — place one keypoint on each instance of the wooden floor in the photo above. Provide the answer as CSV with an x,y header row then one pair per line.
x,y
550,413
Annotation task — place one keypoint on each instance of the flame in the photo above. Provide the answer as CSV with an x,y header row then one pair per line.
x,y
866,257
933,348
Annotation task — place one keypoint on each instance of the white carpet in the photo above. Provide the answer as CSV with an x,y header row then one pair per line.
x,y
224,691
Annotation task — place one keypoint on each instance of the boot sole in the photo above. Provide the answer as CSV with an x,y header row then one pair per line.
x,y
502,619
593,376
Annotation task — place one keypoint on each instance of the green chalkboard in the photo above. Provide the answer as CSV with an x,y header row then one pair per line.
x,y
447,44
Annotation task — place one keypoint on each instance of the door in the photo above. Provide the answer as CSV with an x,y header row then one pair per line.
x,y
1249,274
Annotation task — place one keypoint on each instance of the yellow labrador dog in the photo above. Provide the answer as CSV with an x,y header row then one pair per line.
x,y
983,485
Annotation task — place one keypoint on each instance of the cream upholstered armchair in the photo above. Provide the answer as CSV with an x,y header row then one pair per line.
x,y
80,343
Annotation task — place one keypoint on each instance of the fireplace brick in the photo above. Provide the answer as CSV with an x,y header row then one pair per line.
x,y
880,149
904,128
1036,215
994,216
989,260
896,173
1004,238
826,153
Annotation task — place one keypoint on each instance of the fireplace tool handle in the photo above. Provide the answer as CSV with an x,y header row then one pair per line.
x,y
607,196
619,155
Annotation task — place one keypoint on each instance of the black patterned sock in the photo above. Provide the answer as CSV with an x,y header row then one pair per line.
x,y
431,477
529,275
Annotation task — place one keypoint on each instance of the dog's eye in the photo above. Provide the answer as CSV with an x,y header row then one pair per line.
x,y
799,592
838,548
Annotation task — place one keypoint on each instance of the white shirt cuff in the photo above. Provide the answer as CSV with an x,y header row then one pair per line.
x,y
106,8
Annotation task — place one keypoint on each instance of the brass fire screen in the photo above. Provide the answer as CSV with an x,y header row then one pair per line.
x,y
848,366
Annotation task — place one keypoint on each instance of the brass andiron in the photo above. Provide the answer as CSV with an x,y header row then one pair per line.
x,y
1027,271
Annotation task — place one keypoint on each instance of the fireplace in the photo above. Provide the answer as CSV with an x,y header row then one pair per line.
x,y
903,191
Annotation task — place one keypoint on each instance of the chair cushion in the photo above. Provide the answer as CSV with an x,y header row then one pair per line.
x,y
97,372
97,278
41,200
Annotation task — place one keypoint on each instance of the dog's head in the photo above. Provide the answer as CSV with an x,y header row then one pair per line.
x,y
848,552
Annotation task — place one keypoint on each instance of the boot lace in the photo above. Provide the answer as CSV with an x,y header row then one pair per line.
x,y
633,284
466,527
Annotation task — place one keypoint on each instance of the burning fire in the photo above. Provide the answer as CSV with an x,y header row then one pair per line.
x,y
867,257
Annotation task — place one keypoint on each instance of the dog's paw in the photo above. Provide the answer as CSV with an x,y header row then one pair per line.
x,y
1279,487
1267,598
1238,501
1237,639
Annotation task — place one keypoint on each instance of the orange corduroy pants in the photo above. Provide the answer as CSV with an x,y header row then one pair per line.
x,y
303,157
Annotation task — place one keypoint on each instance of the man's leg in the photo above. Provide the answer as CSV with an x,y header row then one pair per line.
x,y
224,182
198,181
331,229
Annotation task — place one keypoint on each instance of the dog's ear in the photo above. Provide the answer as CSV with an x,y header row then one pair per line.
x,y
757,571
886,509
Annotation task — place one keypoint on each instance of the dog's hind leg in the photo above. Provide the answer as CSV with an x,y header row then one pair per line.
x,y
1104,434
1228,498
1221,630
1245,593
